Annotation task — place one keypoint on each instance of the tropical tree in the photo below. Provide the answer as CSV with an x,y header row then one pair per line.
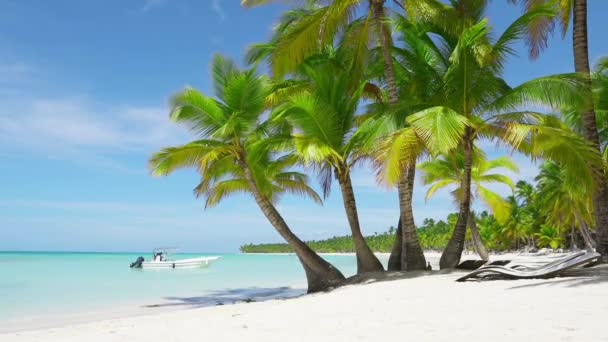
x,y
447,171
539,32
305,31
419,82
527,198
323,115
549,236
232,155
565,204
321,22
517,228
473,89
489,230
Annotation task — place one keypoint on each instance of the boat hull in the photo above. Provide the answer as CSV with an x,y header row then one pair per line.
x,y
183,263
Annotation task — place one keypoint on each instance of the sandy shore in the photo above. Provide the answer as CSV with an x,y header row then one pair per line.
x,y
420,307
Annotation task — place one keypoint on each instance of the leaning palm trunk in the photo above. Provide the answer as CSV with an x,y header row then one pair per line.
x,y
366,260
589,243
581,63
453,251
412,257
394,261
320,274
477,241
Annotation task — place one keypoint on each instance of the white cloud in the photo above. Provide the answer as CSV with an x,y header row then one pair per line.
x,y
216,6
57,125
86,205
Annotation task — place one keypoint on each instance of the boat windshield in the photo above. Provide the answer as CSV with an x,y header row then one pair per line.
x,y
162,254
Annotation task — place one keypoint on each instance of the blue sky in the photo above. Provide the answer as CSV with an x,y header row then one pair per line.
x,y
83,92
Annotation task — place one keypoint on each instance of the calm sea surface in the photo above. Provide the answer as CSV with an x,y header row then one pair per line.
x,y
39,285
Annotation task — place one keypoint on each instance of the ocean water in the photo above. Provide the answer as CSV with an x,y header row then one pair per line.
x,y
37,286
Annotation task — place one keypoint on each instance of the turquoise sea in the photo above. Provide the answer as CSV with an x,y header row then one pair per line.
x,y
38,287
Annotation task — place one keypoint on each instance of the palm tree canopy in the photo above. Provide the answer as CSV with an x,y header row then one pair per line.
x,y
322,112
448,171
562,200
230,133
303,31
472,88
572,116
234,112
540,29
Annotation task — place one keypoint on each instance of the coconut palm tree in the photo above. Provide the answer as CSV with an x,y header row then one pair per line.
x,y
322,23
518,226
565,204
418,82
473,89
539,31
231,155
303,32
447,171
323,115
549,236
573,116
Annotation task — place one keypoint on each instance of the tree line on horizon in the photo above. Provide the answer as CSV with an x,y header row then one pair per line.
x,y
532,224
412,87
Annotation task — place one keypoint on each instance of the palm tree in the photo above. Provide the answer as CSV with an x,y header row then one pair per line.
x,y
323,115
304,32
419,81
448,172
527,198
472,89
319,26
517,227
524,192
565,204
549,236
539,31
232,155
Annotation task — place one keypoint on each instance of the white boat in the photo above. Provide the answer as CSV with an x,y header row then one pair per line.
x,y
161,258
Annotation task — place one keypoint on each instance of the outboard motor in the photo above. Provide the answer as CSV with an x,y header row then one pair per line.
x,y
137,263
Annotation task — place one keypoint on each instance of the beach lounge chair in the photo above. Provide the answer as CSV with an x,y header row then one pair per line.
x,y
470,265
498,263
556,262
549,270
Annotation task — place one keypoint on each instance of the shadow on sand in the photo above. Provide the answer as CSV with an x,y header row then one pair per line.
x,y
230,296
575,278
374,277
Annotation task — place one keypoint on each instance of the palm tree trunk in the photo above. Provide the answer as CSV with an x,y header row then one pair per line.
x,y
320,274
477,241
581,64
366,260
453,251
412,257
394,261
573,237
379,16
589,243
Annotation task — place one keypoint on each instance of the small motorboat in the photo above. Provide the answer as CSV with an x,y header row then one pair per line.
x,y
161,258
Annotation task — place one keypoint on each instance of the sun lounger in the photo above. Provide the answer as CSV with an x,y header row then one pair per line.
x,y
498,263
470,265
546,271
556,262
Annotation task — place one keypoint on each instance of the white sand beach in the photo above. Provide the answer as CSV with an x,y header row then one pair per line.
x,y
420,307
